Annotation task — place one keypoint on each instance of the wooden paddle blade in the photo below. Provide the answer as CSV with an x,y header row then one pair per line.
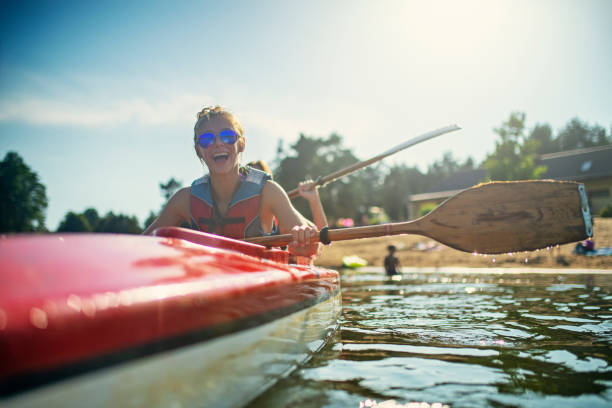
x,y
491,218
502,217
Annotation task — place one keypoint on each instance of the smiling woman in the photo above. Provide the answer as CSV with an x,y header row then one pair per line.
x,y
232,200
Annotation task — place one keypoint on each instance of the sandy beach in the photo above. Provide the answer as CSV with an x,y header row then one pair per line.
x,y
417,251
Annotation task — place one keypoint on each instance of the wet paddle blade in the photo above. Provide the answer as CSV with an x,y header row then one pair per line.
x,y
502,217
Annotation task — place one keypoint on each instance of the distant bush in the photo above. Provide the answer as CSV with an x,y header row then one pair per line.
x,y
426,209
606,212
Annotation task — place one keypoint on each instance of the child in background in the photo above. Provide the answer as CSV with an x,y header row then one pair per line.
x,y
391,262
261,165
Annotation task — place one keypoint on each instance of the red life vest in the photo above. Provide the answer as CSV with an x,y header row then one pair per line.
x,y
242,217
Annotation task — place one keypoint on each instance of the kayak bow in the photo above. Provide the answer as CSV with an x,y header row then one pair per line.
x,y
177,319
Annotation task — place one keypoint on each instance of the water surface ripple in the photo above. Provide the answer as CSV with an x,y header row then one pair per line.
x,y
465,340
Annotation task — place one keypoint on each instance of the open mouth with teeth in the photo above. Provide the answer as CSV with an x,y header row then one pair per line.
x,y
218,157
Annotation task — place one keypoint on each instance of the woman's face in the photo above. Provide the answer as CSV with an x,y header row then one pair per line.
x,y
220,157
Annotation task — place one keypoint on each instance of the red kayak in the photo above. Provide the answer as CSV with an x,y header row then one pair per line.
x,y
180,319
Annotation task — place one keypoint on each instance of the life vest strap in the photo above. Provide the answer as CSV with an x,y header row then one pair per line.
x,y
215,222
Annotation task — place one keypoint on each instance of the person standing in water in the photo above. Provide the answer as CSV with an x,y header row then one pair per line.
x,y
391,262
232,200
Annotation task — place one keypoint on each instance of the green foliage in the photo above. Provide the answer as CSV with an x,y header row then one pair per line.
x,y
443,168
92,217
514,157
578,134
377,215
399,183
575,135
90,221
352,196
314,157
606,212
74,222
119,224
542,134
169,188
24,198
426,209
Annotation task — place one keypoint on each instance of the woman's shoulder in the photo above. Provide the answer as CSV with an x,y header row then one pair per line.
x,y
183,191
272,188
273,197
179,203
181,197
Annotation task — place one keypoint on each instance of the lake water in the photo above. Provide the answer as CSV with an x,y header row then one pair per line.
x,y
463,340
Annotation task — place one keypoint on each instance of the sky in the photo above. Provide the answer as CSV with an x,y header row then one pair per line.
x,y
99,98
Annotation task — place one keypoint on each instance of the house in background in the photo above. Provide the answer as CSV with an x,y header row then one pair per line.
x,y
448,187
591,166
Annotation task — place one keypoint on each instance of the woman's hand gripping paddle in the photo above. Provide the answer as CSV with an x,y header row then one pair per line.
x,y
490,218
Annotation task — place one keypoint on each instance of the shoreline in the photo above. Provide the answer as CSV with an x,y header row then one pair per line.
x,y
418,252
482,270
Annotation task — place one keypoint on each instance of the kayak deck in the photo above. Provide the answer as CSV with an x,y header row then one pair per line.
x,y
77,308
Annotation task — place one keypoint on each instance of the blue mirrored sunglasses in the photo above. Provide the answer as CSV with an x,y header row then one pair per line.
x,y
228,136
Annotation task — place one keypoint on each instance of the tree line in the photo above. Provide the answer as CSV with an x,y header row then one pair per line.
x,y
24,200
389,187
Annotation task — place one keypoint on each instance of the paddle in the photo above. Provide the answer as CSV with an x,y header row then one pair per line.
x,y
491,218
322,181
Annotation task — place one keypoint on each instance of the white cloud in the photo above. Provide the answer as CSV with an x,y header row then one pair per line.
x,y
85,101
75,112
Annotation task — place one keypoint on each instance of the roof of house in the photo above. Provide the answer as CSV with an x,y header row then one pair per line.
x,y
581,164
578,165
460,180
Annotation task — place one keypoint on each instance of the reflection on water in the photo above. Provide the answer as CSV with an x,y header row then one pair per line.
x,y
466,340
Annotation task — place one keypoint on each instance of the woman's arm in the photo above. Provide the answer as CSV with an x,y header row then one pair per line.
x,y
310,191
174,212
276,203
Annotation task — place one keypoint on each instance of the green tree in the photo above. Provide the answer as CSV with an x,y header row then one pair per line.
x,y
443,168
577,134
24,197
514,157
90,221
314,157
168,188
74,222
399,183
543,135
119,224
92,217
